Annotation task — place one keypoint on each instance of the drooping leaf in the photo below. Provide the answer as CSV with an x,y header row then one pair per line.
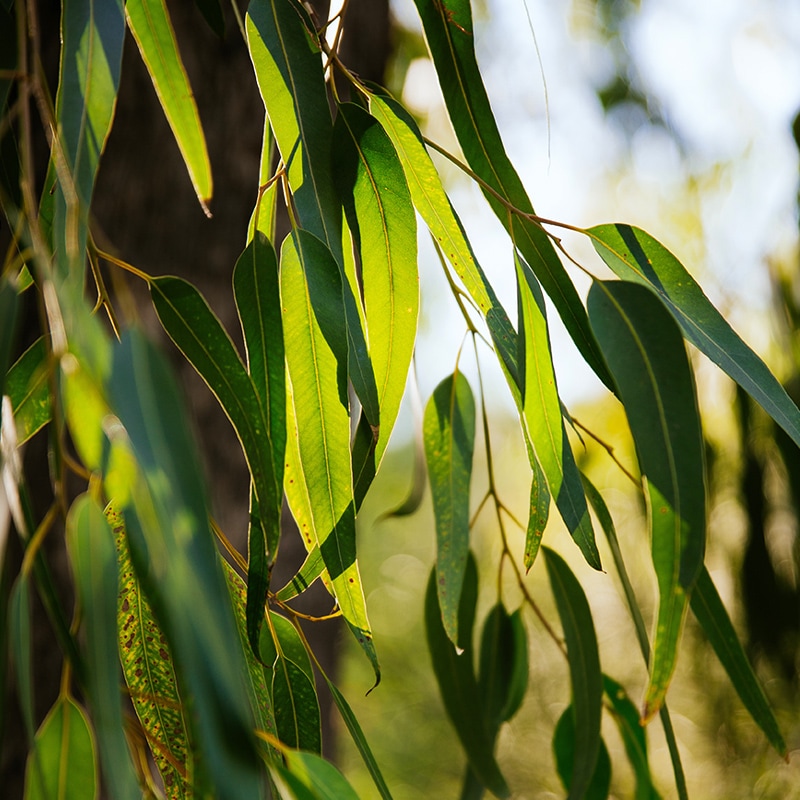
x,y
433,205
200,336
149,673
634,255
280,639
152,29
373,190
311,569
20,625
564,751
28,386
450,37
265,211
584,670
537,515
352,724
647,356
288,68
458,686
62,763
92,552
177,563
634,737
318,453
9,302
320,776
449,434
91,54
297,716
716,624
543,422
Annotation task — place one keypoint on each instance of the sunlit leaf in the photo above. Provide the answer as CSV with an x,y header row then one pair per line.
x,y
311,569
320,459
90,543
564,751
373,189
62,763
451,40
200,336
433,205
28,387
634,255
634,737
265,211
716,624
152,29
584,670
449,434
543,422
537,515
646,354
320,776
289,72
458,685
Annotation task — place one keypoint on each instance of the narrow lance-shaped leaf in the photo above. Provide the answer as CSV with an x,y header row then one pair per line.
x,y
62,763
543,422
433,205
647,356
320,776
288,69
152,29
449,434
90,544
538,513
296,710
451,40
28,387
564,752
455,674
8,328
311,296
200,336
717,626
634,255
149,673
373,189
584,669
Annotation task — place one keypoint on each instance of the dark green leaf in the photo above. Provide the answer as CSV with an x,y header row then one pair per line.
x,y
646,354
584,670
634,255
8,329
20,624
634,737
450,37
544,425
449,433
713,618
281,638
92,552
564,743
28,387
296,707
456,678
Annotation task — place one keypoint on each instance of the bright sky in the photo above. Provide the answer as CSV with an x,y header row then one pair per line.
x,y
726,74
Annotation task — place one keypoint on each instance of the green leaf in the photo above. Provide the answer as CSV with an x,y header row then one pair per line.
x,y
503,670
634,737
634,255
28,386
564,742
320,776
433,205
450,37
538,514
150,674
9,301
359,739
152,29
319,479
91,54
542,418
584,670
199,335
456,678
62,763
311,569
288,69
297,716
449,433
20,626
373,190
281,639
176,560
713,618
647,356
90,544
264,213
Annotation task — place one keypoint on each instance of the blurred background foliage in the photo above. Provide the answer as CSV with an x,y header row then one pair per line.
x,y
720,189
